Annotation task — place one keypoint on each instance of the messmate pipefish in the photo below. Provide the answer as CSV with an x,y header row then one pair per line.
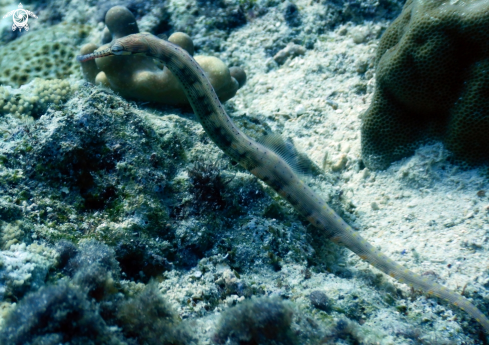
x,y
269,166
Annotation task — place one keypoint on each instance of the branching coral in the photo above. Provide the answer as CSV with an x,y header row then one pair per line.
x,y
141,78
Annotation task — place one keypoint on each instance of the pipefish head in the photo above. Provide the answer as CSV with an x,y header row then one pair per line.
x,y
129,45
135,44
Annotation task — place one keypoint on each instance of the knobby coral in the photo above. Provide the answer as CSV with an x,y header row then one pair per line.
x,y
140,78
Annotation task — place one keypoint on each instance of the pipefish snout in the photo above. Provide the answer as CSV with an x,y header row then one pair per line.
x,y
272,169
94,55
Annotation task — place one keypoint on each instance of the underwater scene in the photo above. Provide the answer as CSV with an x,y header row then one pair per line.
x,y
244,172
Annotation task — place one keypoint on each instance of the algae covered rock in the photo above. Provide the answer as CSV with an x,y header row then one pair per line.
x,y
257,321
89,162
23,269
432,84
91,307
141,78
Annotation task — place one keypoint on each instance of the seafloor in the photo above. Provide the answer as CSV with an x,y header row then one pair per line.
x,y
108,205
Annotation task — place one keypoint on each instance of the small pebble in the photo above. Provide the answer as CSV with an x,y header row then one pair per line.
x,y
292,50
319,300
299,110
340,163
359,36
343,31
374,206
333,104
361,66
197,295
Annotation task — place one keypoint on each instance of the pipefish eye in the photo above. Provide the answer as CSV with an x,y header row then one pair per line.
x,y
117,49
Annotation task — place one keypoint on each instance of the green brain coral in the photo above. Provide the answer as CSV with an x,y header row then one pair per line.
x,y
48,53
432,77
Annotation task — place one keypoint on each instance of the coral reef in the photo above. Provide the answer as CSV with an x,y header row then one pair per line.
x,y
209,23
46,53
291,15
11,233
138,77
183,229
207,184
432,84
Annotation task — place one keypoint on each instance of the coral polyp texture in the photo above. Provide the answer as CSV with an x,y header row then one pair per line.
x,y
432,77
142,78
47,53
33,99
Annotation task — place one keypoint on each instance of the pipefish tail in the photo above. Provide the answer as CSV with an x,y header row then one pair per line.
x,y
268,166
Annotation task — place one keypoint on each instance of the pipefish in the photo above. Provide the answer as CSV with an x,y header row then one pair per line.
x,y
269,167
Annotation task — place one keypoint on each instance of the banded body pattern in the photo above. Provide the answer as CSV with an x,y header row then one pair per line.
x,y
268,166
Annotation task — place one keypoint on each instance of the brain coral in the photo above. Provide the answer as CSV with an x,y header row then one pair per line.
x,y
141,78
432,83
47,54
